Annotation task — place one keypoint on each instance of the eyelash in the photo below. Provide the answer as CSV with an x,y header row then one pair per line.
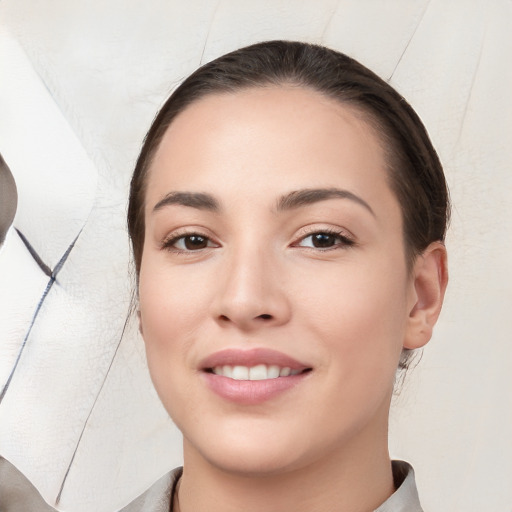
x,y
343,241
168,243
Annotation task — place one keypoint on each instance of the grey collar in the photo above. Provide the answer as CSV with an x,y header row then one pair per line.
x,y
404,499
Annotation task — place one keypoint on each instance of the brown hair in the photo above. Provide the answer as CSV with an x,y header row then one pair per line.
x,y
415,172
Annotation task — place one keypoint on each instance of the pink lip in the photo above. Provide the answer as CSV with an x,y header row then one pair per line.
x,y
252,357
251,392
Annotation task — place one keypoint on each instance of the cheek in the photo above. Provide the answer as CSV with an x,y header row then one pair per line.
x,y
169,312
360,314
175,305
171,300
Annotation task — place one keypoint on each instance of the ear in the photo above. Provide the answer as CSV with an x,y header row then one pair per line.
x,y
429,280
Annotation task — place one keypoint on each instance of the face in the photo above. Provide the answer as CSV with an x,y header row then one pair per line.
x,y
274,294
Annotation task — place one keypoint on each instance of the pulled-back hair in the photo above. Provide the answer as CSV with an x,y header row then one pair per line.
x,y
414,171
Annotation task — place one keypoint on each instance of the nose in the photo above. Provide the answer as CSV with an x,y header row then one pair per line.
x,y
252,293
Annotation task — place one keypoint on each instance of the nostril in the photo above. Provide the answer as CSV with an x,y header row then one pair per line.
x,y
244,319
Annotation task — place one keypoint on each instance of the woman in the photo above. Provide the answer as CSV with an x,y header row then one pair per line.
x,y
287,216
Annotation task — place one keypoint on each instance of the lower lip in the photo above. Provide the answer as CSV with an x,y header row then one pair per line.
x,y
251,392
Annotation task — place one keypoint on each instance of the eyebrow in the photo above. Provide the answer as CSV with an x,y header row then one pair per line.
x,y
290,201
304,197
197,200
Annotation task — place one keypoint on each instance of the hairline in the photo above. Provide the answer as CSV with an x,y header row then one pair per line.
x,y
362,112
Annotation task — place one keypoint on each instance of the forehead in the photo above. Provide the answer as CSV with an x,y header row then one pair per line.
x,y
265,138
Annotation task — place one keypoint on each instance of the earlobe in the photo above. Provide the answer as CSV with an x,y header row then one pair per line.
x,y
430,277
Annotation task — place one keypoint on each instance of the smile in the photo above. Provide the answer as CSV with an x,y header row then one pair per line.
x,y
258,372
252,377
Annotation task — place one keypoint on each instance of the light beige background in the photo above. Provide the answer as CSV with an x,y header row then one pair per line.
x,y
80,83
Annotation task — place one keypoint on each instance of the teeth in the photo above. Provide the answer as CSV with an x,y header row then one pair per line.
x,y
227,371
240,373
273,372
258,372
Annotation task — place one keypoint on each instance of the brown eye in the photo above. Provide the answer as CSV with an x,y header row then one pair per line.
x,y
194,242
325,240
188,243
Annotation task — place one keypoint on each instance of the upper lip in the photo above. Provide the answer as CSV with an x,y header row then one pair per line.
x,y
251,357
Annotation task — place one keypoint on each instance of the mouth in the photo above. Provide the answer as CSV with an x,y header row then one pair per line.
x,y
251,377
257,372
253,364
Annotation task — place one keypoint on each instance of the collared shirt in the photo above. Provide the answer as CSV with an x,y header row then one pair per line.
x,y
404,499
17,493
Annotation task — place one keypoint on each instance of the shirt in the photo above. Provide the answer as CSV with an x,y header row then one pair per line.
x,y
404,499
17,494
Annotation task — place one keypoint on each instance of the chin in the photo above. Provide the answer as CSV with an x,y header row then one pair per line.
x,y
248,453
253,463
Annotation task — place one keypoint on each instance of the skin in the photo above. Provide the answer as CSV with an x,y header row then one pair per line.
x,y
346,310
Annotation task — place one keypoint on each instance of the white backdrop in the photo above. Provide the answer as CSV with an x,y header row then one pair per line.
x,y
79,85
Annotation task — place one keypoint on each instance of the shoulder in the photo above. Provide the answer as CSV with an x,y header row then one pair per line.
x,y
158,497
18,494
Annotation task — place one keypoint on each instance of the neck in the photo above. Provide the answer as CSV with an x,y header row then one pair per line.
x,y
357,478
